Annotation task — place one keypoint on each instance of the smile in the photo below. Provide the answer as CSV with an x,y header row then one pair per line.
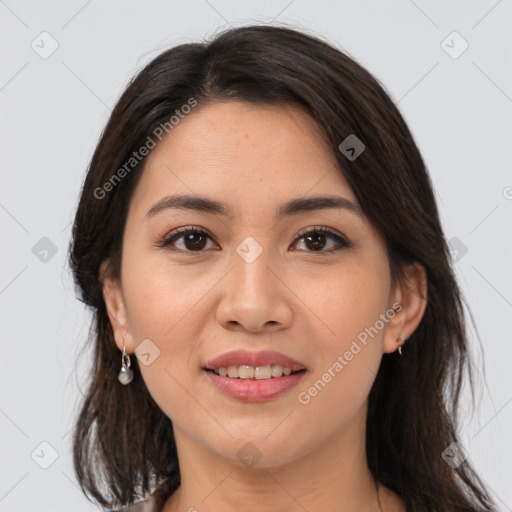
x,y
253,372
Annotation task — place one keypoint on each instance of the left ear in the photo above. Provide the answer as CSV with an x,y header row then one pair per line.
x,y
116,309
409,300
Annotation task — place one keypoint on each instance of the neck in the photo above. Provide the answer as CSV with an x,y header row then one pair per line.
x,y
334,476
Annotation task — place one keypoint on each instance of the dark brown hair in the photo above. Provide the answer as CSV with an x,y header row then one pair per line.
x,y
123,443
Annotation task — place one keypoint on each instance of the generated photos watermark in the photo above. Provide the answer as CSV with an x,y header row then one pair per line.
x,y
305,397
137,156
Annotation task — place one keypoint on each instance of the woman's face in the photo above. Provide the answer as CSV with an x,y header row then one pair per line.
x,y
256,281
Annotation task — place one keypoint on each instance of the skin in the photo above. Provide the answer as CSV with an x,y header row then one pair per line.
x,y
308,305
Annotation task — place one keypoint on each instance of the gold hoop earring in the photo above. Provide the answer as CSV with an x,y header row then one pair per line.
x,y
400,341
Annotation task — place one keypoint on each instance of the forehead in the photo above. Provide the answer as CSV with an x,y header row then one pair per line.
x,y
234,149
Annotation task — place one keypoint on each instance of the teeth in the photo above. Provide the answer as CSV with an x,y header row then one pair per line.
x,y
245,371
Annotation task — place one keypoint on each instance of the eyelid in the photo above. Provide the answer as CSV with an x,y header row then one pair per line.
x,y
342,240
167,238
321,229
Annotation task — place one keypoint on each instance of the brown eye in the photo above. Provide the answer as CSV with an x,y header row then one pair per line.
x,y
193,239
317,239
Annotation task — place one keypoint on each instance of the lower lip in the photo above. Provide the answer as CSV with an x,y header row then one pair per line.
x,y
255,390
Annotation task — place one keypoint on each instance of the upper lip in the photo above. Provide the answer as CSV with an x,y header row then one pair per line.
x,y
245,357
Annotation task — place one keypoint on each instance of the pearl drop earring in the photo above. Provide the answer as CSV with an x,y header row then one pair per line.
x,y
126,374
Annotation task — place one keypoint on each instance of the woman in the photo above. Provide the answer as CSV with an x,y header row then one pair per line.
x,y
277,325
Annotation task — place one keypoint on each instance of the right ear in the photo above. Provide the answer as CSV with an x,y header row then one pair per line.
x,y
116,308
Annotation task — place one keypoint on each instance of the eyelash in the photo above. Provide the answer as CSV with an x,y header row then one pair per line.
x,y
180,232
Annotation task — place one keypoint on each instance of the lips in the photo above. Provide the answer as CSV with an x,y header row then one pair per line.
x,y
245,357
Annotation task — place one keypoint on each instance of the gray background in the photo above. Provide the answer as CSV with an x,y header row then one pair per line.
x,y
459,108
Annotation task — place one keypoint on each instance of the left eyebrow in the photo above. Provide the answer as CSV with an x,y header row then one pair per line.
x,y
293,207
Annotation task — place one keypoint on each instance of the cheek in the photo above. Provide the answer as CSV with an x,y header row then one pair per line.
x,y
350,348
163,304
346,301
163,297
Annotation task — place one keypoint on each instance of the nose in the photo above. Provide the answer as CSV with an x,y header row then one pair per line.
x,y
254,297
